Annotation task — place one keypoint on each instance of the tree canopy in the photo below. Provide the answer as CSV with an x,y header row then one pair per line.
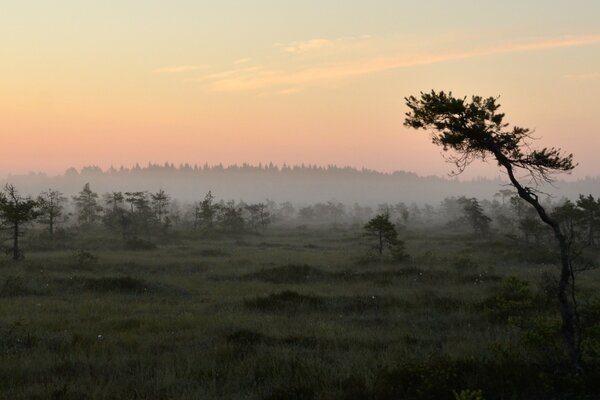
x,y
474,129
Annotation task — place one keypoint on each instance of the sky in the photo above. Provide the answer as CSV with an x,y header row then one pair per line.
x,y
119,82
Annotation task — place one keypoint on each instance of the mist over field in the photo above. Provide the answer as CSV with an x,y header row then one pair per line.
x,y
297,184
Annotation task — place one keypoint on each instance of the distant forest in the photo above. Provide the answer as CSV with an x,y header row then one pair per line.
x,y
301,184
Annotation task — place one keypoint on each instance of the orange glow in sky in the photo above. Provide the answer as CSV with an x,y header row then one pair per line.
x,y
119,83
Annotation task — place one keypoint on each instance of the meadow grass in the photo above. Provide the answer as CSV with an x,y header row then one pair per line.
x,y
288,314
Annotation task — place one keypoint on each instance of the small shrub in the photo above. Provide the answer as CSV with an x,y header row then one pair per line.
x,y
513,299
84,259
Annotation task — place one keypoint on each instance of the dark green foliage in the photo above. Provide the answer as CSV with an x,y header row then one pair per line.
x,y
383,234
84,259
16,211
265,315
87,207
476,130
204,213
51,208
259,216
475,216
512,300
229,216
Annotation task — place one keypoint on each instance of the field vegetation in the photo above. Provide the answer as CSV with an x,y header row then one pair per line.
x,y
258,306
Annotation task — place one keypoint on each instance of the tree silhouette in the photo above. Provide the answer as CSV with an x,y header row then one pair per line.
x,y
86,203
475,130
160,202
15,211
383,232
51,207
475,217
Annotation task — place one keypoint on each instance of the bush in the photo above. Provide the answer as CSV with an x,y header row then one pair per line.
x,y
84,259
513,299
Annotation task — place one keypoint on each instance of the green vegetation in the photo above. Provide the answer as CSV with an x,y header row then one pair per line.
x,y
289,313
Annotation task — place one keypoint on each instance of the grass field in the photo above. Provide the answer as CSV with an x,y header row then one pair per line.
x,y
290,314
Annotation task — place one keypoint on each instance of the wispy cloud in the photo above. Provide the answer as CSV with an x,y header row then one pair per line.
x,y
242,61
583,77
307,45
180,68
278,79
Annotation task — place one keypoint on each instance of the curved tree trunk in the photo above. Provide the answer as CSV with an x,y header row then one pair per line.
x,y
568,311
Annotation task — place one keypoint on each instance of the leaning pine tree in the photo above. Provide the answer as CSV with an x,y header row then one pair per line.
x,y
475,130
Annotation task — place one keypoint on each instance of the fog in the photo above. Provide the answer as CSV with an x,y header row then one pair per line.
x,y
298,185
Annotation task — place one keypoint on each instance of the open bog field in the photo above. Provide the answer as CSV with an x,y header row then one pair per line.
x,y
297,313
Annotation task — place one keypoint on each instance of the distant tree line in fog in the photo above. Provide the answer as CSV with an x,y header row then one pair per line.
x,y
141,216
299,184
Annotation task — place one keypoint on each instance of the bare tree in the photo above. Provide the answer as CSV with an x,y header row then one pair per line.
x,y
475,130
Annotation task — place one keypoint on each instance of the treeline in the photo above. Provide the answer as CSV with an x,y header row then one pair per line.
x,y
168,168
139,217
301,184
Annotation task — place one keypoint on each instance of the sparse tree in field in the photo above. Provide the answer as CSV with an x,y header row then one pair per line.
x,y
384,235
286,211
475,130
569,216
51,207
505,194
336,210
115,215
531,227
475,217
259,216
86,204
160,203
307,214
206,211
360,213
140,211
15,211
403,212
229,216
